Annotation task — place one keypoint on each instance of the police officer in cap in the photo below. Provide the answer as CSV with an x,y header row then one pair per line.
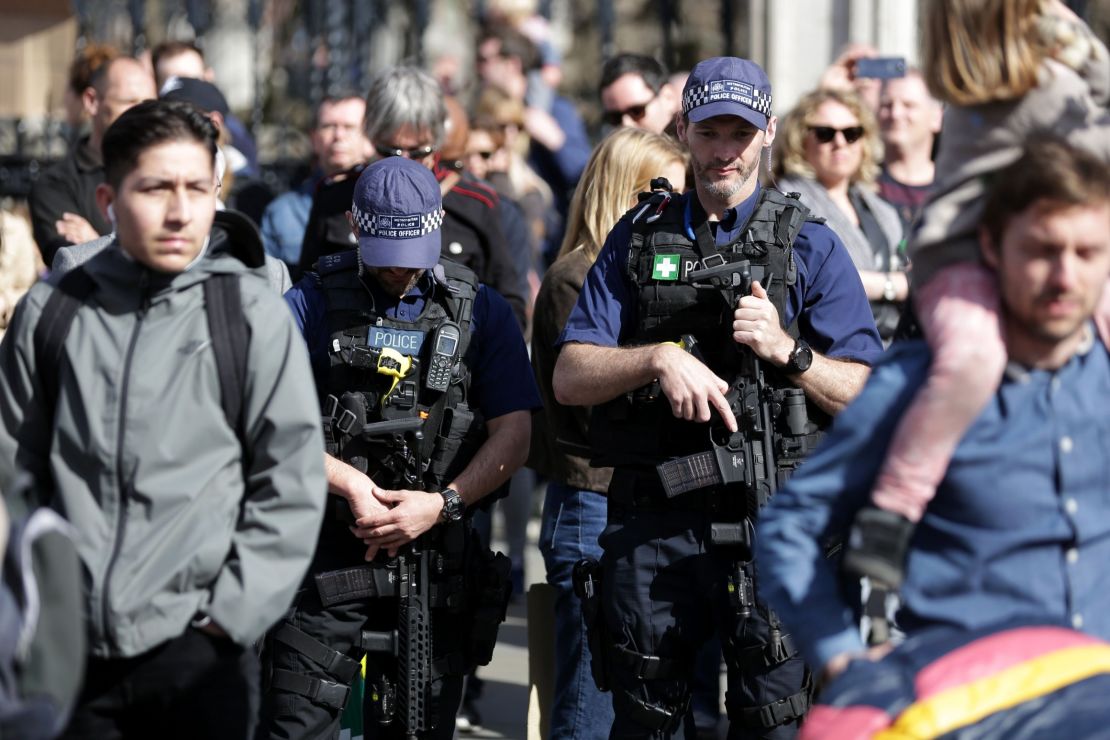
x,y
427,397
786,314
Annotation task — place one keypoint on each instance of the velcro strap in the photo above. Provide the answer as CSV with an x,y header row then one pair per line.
x,y
645,667
327,693
689,473
778,712
359,582
334,662
769,654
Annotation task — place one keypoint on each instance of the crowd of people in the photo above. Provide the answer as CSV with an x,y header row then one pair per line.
x,y
762,367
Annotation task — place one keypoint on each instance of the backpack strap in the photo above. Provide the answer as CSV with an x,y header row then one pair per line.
x,y
230,339
53,326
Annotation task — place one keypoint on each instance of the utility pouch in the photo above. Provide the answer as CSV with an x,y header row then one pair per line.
x,y
492,588
587,587
455,436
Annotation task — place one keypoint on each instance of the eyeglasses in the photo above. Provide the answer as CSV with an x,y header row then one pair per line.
x,y
825,134
420,152
635,112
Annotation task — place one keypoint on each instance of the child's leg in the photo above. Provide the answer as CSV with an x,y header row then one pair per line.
x,y
958,311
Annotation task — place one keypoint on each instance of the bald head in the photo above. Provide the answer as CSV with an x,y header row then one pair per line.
x,y
116,86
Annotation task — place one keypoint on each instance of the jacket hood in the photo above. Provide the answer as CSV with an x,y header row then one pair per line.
x,y
235,245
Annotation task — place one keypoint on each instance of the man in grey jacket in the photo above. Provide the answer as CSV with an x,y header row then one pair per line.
x,y
194,526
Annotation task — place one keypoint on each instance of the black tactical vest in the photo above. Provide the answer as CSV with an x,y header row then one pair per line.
x,y
638,429
396,402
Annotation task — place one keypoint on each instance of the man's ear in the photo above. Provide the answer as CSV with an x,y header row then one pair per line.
x,y
772,128
988,248
90,101
936,119
680,126
669,95
217,120
105,196
354,225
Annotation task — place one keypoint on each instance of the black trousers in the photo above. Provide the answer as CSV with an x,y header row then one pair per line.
x,y
193,686
664,593
288,714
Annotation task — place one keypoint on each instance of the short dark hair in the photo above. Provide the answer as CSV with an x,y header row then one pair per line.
x,y
173,49
514,45
650,69
1049,169
147,125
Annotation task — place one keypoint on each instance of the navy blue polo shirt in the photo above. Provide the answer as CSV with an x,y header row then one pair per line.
x,y
502,379
828,298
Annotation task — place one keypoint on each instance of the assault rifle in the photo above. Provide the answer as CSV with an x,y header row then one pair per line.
x,y
772,423
406,697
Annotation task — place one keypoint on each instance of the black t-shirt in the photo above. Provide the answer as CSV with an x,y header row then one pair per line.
x,y
906,199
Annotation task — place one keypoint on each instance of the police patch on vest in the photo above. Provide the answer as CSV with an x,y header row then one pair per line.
x,y
405,342
665,267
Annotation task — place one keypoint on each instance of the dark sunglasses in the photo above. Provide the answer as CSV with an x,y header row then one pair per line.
x,y
419,152
635,112
825,134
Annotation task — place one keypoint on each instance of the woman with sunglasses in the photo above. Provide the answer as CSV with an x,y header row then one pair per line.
x,y
830,152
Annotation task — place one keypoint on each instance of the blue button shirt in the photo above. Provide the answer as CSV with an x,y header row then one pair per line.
x,y
1019,529
834,315
502,379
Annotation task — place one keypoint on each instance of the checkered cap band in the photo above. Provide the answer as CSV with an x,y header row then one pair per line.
x,y
733,91
396,226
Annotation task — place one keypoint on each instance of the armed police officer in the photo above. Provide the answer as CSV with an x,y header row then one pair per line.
x,y
427,398
716,332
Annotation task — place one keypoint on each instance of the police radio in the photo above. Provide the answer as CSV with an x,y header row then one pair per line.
x,y
445,351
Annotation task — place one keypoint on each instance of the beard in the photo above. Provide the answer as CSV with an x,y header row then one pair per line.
x,y
394,284
728,188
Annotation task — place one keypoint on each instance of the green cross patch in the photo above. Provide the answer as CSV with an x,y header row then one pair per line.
x,y
665,267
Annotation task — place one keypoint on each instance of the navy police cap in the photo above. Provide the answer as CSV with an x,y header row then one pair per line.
x,y
398,211
728,86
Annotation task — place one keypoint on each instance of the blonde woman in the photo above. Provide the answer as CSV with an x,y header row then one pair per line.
x,y
574,507
829,151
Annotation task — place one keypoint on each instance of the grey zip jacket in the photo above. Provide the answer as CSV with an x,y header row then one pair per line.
x,y
172,519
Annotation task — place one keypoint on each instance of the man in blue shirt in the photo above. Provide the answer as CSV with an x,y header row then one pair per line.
x,y
338,143
1019,529
427,396
666,575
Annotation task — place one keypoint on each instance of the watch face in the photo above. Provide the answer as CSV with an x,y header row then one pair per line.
x,y
452,505
801,358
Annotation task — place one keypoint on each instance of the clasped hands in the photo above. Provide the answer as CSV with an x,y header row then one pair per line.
x,y
387,519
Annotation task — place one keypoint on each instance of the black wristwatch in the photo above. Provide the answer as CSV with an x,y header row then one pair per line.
x,y
453,506
801,357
